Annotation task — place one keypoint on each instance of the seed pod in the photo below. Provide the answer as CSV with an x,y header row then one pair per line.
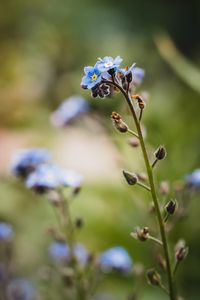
x,y
171,206
131,178
153,277
160,153
118,123
181,250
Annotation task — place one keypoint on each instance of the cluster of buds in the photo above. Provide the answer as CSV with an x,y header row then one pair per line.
x,y
141,234
118,123
102,90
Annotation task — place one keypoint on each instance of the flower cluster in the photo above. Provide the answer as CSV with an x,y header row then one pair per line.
x,y
40,174
106,70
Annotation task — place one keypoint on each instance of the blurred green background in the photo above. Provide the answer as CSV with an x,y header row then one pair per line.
x,y
44,46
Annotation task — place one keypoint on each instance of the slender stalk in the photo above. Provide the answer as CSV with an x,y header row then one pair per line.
x,y
153,190
144,186
133,133
155,240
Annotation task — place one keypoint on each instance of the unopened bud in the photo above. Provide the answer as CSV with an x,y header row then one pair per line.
x,y
133,142
181,250
118,123
171,206
131,178
129,77
79,223
161,262
141,234
164,188
142,177
153,277
160,153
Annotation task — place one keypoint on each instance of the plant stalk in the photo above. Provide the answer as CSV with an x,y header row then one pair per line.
x,y
153,191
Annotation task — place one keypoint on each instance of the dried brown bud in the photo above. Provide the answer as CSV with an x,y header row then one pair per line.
x,y
153,277
181,250
131,178
160,153
171,206
118,123
141,234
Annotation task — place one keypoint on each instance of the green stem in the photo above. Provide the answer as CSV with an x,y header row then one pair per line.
x,y
153,191
144,186
155,240
133,133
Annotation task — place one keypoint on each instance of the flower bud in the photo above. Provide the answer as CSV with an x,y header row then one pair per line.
x,y
181,250
164,188
141,234
131,178
153,277
171,206
79,223
129,77
118,123
161,262
160,153
133,142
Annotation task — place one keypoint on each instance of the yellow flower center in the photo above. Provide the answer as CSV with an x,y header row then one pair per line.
x,y
94,77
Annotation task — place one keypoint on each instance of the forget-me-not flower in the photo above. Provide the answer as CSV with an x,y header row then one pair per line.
x,y
116,258
92,77
25,161
107,63
50,176
20,289
69,110
60,251
193,179
6,232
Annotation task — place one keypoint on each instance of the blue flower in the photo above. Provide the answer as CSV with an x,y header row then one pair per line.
x,y
108,63
25,161
20,289
92,77
45,177
49,176
193,179
6,232
69,110
60,251
116,258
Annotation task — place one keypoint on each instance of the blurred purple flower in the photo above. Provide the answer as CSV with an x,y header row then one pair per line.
x,y
49,176
193,179
116,258
20,289
25,161
59,251
6,232
137,74
69,110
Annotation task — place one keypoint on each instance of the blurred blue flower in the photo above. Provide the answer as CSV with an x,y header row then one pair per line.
x,y
60,251
108,63
20,289
69,110
116,258
138,75
92,77
25,161
193,179
43,178
6,232
49,176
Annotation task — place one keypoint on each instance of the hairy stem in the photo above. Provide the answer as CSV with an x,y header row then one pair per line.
x,y
153,190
